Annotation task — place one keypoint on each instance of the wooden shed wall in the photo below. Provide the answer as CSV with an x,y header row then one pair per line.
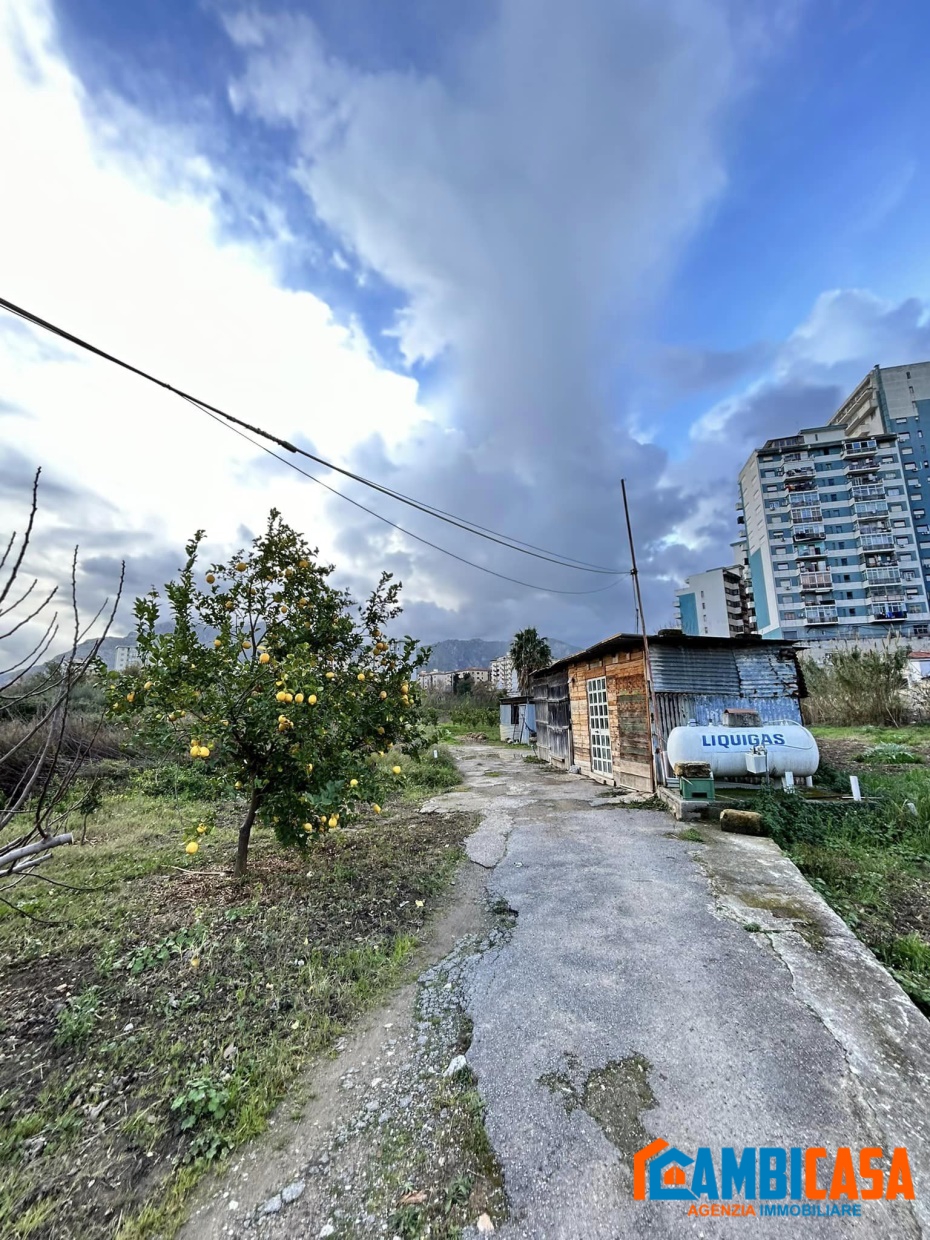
x,y
627,718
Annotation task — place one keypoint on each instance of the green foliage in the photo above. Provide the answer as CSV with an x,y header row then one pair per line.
x,y
184,941
290,702
77,1018
856,686
193,782
202,1105
529,652
889,754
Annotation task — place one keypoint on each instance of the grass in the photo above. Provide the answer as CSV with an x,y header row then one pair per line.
x,y
871,862
913,734
163,1017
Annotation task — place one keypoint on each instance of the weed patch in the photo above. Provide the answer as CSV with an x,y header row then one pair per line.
x,y
157,1027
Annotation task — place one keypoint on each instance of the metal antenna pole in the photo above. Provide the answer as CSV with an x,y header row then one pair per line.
x,y
647,665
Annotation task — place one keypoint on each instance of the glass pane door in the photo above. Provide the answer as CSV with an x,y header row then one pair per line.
x,y
599,726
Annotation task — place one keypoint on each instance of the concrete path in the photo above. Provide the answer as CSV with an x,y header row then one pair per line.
x,y
655,987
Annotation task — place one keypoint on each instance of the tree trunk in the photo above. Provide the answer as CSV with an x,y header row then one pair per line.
x,y
245,832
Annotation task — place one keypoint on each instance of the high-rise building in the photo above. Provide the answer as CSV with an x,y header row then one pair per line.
x,y
829,532
714,604
896,400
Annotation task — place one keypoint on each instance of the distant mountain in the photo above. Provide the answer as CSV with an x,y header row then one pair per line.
x,y
447,656
454,654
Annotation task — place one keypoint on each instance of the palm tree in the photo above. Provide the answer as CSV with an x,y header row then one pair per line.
x,y
529,652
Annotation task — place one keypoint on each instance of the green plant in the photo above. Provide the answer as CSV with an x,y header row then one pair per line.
x,y
202,1105
290,702
889,754
530,653
856,686
77,1018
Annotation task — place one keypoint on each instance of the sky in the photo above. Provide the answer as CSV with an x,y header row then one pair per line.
x,y
497,256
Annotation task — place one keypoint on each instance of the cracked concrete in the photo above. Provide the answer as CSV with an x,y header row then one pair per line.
x,y
625,949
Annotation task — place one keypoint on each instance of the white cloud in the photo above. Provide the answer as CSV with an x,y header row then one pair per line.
x,y
110,225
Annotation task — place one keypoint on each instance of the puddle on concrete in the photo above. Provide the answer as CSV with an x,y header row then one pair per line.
x,y
615,1096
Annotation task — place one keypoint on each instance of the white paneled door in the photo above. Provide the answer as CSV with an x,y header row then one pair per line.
x,y
599,726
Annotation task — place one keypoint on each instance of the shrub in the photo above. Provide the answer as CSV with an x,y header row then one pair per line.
x,y
889,754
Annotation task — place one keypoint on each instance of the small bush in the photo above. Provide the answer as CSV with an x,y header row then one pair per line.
x,y
889,754
77,1018
171,779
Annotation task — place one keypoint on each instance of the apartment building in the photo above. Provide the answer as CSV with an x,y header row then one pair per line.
x,y
504,674
831,541
714,604
896,400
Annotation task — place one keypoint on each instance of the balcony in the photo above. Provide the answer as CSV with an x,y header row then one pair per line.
x,y
816,581
870,509
820,615
802,471
883,576
872,491
877,542
889,611
859,447
809,515
804,533
863,465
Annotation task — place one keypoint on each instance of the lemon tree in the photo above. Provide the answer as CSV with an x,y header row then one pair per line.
x,y
276,683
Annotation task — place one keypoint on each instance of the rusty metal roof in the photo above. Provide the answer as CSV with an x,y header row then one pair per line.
x,y
672,640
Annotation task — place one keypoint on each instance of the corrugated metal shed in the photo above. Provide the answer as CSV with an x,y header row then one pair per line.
x,y
676,710
741,671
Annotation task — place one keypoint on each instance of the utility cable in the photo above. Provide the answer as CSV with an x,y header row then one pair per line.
x,y
471,527
435,546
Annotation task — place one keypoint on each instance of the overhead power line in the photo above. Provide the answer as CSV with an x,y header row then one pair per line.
x,y
240,427
393,524
471,527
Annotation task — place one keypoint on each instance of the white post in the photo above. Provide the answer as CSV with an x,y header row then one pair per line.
x,y
854,787
788,781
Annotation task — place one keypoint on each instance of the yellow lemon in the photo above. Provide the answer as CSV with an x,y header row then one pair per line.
x,y
288,697
361,676
303,563
246,645
376,808
334,821
229,606
195,962
201,830
312,699
147,685
380,731
210,579
330,675
204,751
280,696
130,697
302,602
309,767
217,643
288,572
382,695
404,687
353,783
195,751
241,566
192,847
298,697
238,783
308,826
264,658
395,770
